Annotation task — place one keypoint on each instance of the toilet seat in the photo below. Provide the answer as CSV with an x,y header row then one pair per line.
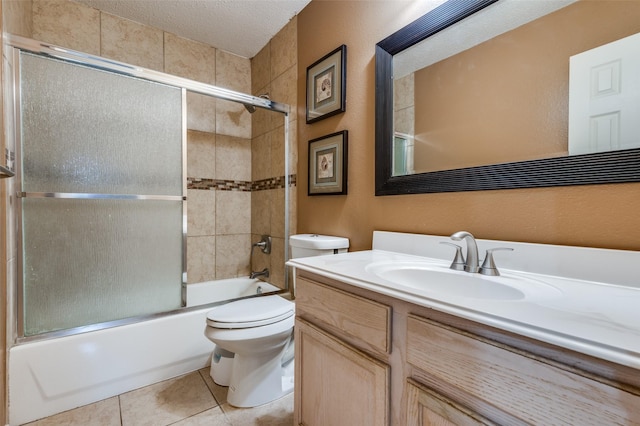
x,y
248,313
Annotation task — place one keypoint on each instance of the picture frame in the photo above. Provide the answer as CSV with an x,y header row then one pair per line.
x,y
327,85
328,164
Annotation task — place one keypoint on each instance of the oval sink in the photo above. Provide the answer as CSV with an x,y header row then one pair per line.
x,y
429,278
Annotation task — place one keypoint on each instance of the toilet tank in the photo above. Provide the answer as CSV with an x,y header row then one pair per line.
x,y
306,245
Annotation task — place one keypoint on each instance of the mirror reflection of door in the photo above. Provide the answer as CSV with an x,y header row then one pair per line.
x,y
604,90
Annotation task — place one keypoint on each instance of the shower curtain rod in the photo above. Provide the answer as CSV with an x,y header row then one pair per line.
x,y
144,73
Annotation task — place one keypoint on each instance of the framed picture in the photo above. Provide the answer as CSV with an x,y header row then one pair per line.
x,y
328,164
327,85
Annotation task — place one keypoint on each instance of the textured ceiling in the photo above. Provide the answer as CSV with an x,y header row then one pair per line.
x,y
242,27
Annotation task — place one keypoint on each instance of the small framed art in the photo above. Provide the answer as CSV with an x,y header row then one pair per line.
x,y
328,164
326,85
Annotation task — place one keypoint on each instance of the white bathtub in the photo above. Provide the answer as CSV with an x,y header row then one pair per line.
x,y
51,376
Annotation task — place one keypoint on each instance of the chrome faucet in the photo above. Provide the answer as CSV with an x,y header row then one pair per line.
x,y
263,273
471,259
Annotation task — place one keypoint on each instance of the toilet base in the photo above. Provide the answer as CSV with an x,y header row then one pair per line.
x,y
260,380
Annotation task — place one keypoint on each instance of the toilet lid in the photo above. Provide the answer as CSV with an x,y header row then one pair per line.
x,y
253,312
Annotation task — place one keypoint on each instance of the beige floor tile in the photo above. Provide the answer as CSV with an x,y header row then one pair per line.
x,y
277,413
166,402
219,392
101,413
212,417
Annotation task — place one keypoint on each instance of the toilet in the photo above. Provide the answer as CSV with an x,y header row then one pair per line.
x,y
254,336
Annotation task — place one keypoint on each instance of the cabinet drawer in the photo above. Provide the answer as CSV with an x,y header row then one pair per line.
x,y
528,389
360,318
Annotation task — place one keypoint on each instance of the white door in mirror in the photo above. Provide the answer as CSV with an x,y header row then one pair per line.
x,y
604,97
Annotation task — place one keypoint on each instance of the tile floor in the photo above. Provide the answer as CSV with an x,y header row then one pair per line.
x,y
189,400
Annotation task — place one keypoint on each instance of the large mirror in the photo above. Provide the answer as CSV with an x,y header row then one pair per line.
x,y
488,94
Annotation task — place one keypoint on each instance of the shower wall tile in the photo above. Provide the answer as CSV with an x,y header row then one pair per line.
x,y
232,255
260,212
201,112
262,118
189,59
17,17
233,158
261,70
130,42
201,259
277,212
233,72
201,154
233,215
277,262
284,49
232,119
293,148
285,89
67,24
201,212
277,152
261,157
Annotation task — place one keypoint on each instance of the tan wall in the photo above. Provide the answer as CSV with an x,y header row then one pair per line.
x,y
598,216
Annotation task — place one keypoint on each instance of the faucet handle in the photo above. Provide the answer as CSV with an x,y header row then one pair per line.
x,y
489,266
458,261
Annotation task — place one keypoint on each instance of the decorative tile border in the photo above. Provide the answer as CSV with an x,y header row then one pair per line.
x,y
239,185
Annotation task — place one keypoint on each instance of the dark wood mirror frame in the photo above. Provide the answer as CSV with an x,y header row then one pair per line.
x,y
587,169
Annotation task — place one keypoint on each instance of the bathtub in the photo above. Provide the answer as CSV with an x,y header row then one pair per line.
x,y
51,376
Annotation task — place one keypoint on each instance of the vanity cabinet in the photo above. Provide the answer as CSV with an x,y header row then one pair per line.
x,y
342,377
363,358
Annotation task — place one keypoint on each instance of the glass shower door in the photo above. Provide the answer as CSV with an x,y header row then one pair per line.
x,y
102,186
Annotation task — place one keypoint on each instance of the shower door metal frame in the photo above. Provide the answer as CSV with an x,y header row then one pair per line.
x,y
14,45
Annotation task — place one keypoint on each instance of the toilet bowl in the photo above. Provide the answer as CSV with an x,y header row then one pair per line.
x,y
254,337
259,331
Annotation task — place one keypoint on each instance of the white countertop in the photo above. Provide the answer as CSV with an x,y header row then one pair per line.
x,y
594,318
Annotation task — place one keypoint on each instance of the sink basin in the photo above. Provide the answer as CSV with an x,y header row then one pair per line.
x,y
438,279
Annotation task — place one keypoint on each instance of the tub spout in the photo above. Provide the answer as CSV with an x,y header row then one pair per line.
x,y
263,273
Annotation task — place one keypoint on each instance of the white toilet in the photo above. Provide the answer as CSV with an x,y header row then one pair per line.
x,y
254,337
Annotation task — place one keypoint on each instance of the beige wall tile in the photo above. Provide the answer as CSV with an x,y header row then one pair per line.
x,y
17,17
67,24
201,259
293,147
284,88
277,212
232,119
232,255
201,212
277,270
189,59
233,212
261,70
261,157
130,42
277,152
201,112
284,49
261,119
260,260
233,72
233,158
260,211
201,155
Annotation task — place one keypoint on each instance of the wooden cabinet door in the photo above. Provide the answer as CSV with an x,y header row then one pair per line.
x,y
337,384
427,408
